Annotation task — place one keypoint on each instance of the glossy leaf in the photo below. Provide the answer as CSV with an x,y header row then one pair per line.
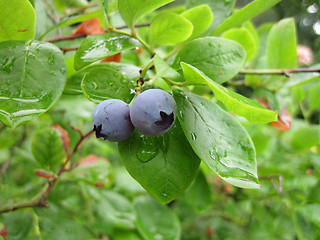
x,y
198,196
221,10
165,166
97,47
47,148
116,210
218,139
32,78
244,37
235,102
249,11
169,29
17,20
132,10
220,59
164,70
109,80
282,45
155,221
200,17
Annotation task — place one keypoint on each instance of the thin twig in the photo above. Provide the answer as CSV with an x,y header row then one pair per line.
x,y
66,37
40,199
68,49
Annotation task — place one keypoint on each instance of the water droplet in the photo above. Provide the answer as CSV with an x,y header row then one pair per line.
x,y
193,136
51,59
148,150
181,114
62,70
7,64
52,73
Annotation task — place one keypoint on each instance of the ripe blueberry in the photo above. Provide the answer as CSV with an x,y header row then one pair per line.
x,y
153,112
111,120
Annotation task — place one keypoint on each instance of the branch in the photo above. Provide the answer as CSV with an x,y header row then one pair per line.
x,y
40,199
278,71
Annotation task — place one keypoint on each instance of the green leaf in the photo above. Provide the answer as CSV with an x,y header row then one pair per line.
x,y
163,69
200,17
235,102
221,10
198,196
155,221
244,37
218,139
251,10
17,20
116,210
32,78
165,166
97,47
220,59
299,79
47,148
169,29
311,212
105,7
282,45
305,137
110,80
132,10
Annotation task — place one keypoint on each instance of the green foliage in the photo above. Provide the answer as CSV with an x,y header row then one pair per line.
x,y
32,79
169,29
17,20
240,162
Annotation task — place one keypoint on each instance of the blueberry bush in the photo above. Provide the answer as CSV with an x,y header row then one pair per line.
x,y
206,116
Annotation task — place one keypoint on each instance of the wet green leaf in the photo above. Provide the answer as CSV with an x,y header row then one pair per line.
x,y
132,10
97,47
165,166
235,102
282,45
47,148
220,59
104,81
169,29
249,11
200,17
155,221
32,78
17,20
218,139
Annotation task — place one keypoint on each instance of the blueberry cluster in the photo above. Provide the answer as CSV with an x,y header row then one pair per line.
x,y
152,112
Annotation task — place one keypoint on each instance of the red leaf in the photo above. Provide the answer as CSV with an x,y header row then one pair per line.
x,y
113,58
44,174
3,232
89,27
90,159
139,50
64,136
100,185
284,119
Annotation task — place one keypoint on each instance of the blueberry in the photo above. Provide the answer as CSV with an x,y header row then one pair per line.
x,y
111,120
153,112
